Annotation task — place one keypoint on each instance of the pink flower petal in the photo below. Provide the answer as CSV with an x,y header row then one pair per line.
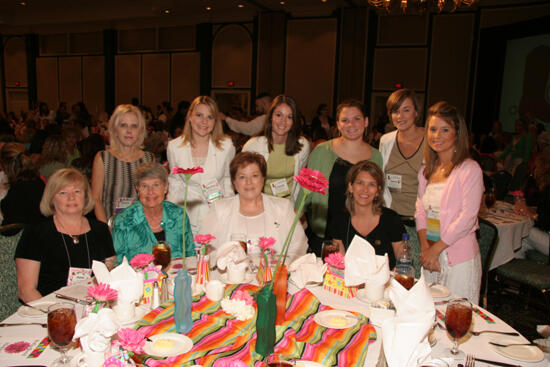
x,y
204,238
141,260
312,180
266,242
102,292
336,259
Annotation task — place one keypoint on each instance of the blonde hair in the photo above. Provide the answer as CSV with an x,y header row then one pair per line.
x,y
217,134
60,179
452,116
116,119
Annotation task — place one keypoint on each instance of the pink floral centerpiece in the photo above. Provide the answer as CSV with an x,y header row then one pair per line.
x,y
187,173
101,293
203,272
141,261
334,276
264,271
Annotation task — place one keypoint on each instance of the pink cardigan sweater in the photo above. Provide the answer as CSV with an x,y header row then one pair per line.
x,y
460,203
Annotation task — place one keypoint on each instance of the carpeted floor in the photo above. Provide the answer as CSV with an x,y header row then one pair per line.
x,y
511,307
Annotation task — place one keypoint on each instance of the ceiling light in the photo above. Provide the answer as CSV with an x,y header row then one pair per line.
x,y
240,6
208,8
23,3
420,6
282,2
167,11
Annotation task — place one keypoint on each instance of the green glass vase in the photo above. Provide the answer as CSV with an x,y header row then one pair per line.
x,y
265,321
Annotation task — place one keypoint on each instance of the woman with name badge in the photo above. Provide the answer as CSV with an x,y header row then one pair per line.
x,y
204,144
60,250
403,152
450,187
281,145
113,184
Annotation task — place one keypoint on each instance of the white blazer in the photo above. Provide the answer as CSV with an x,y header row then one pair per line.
x,y
215,167
259,145
221,221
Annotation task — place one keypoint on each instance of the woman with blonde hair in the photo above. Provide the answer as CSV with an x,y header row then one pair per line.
x,y
450,186
60,250
204,144
113,185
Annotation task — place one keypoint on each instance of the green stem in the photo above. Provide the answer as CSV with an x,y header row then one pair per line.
x,y
183,256
284,250
96,307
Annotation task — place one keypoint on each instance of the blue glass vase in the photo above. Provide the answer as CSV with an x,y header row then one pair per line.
x,y
184,302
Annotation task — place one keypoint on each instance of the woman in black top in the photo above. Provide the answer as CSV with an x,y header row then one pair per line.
x,y
365,216
60,250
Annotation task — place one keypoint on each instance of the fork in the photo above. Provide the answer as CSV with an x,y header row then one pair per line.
x,y
477,333
470,361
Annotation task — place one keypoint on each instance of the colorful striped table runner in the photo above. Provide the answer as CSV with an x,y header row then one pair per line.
x,y
217,336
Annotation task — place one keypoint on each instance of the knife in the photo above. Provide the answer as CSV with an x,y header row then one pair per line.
x,y
74,299
22,324
495,363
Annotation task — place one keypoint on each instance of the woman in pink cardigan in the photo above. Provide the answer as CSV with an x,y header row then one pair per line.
x,y
449,195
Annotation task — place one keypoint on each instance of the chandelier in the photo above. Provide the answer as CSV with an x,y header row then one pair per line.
x,y
420,6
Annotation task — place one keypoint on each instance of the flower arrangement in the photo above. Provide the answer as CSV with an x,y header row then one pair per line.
x,y
203,273
187,173
131,340
244,296
335,260
141,261
101,293
240,305
266,244
204,239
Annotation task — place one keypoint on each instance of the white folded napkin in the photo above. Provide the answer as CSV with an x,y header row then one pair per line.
x,y
307,269
123,278
96,329
404,336
363,265
229,252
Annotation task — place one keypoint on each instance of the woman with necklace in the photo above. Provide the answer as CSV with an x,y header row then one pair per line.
x,y
450,187
60,250
204,144
403,152
281,145
151,219
112,172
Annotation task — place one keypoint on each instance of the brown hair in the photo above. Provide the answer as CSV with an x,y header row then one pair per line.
x,y
349,103
53,150
372,169
397,98
116,119
9,151
451,115
60,179
243,159
217,134
292,144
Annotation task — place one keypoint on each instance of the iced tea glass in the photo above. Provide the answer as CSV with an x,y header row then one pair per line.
x,y
458,319
61,324
162,254
404,274
329,247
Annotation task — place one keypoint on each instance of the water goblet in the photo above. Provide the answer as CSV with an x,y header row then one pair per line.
x,y
404,274
162,254
458,318
61,324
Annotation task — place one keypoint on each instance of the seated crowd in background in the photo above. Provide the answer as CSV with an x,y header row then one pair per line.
x,y
128,159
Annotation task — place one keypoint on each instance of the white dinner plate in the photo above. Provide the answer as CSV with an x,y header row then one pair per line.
x,y
335,319
439,291
182,344
248,278
25,311
300,363
523,353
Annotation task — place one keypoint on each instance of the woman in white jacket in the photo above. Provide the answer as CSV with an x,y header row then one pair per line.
x,y
285,151
202,143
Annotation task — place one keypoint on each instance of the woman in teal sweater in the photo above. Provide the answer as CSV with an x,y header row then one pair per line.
x,y
151,219
334,158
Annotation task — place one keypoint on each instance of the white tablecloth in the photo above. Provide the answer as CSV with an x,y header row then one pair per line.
x,y
511,229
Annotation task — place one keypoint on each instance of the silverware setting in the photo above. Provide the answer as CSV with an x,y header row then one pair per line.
x,y
74,299
511,344
34,307
23,324
477,333
494,363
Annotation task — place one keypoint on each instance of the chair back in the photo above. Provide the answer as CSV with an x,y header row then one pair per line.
x,y
487,238
415,246
501,181
520,177
9,301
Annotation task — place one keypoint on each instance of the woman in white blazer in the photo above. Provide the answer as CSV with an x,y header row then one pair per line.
x,y
284,150
202,143
252,214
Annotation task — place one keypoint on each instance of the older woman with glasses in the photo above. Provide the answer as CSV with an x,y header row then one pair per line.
x,y
60,250
151,219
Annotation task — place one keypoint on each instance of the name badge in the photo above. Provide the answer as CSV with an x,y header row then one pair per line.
x,y
394,182
77,275
211,191
279,187
123,203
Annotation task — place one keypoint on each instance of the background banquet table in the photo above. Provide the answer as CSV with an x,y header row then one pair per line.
x,y
159,320
512,228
